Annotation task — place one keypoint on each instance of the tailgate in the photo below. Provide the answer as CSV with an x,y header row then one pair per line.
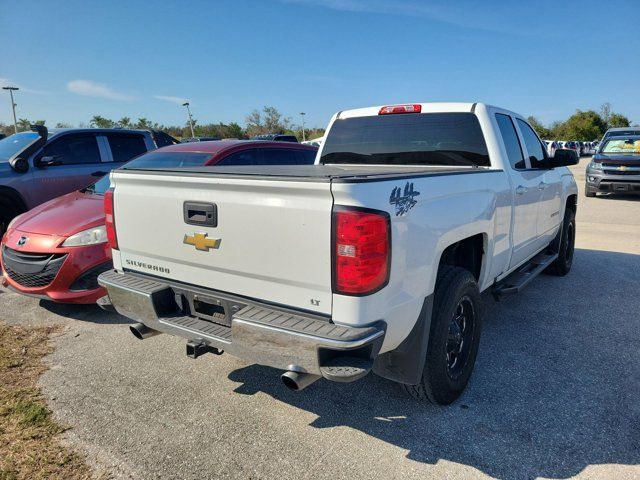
x,y
272,240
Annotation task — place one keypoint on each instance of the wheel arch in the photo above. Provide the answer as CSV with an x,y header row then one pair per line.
x,y
14,197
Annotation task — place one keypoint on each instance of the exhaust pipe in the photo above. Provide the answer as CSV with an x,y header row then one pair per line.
x,y
141,331
298,381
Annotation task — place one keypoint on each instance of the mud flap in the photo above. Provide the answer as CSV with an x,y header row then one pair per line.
x,y
405,363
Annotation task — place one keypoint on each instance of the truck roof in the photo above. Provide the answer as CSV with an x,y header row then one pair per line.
x,y
426,107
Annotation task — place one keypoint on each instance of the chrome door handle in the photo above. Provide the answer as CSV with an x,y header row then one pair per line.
x,y
521,190
542,186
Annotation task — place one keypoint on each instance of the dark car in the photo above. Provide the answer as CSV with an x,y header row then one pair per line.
x,y
276,137
615,168
621,132
41,164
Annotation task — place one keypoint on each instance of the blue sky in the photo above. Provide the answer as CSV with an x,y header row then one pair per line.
x,y
75,59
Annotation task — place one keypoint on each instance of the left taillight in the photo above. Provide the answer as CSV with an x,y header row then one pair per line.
x,y
361,250
110,224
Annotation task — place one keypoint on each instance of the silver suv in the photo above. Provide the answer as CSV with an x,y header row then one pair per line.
x,y
41,164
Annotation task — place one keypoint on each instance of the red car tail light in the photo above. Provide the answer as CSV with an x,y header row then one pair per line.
x,y
361,250
391,109
110,219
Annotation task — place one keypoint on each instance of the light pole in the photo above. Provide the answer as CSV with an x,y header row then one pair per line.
x,y
13,106
302,114
186,104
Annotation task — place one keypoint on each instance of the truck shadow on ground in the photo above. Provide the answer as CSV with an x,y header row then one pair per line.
x,y
85,313
555,388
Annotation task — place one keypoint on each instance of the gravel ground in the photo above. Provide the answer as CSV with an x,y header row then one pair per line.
x,y
554,394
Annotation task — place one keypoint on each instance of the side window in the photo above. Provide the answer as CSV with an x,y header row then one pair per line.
x,y
125,147
511,141
537,155
244,157
73,149
278,156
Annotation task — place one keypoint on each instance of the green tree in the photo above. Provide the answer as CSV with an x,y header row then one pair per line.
x,y
124,122
270,120
24,124
63,125
98,121
582,126
543,132
618,120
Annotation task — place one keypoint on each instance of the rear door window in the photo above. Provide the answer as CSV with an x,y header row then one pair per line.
x,y
537,155
511,142
73,149
125,147
407,139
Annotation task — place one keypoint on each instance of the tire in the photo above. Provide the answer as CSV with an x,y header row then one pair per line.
x,y
562,264
7,213
588,192
449,365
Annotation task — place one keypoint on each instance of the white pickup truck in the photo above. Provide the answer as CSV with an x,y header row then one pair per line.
x,y
372,259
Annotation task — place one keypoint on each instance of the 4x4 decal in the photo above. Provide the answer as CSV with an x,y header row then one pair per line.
x,y
404,201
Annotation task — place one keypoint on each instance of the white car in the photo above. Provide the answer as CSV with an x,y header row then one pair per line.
x,y
371,260
316,142
551,146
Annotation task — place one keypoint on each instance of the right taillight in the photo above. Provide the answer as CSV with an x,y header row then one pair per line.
x,y
361,251
110,224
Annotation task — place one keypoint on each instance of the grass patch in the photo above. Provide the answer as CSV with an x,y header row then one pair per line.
x,y
29,443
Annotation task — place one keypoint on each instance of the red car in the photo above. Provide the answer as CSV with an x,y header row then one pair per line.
x,y
57,250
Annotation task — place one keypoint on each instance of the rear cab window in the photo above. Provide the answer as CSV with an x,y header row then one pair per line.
x,y
160,160
454,139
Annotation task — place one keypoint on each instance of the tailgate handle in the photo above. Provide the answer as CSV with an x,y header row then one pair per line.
x,y
203,214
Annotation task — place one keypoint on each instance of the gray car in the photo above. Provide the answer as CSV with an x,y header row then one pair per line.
x,y
615,168
41,164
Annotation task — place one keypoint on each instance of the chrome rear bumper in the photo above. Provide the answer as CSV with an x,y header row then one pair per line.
x,y
250,330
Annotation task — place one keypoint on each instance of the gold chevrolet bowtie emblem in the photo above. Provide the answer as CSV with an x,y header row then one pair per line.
x,y
201,242
622,168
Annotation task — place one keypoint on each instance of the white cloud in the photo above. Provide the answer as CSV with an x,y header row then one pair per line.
x,y
94,89
7,82
474,16
168,98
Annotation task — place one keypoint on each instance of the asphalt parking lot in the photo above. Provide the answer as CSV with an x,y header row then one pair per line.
x,y
554,394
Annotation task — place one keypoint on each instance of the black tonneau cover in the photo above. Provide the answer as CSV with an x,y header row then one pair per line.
x,y
316,173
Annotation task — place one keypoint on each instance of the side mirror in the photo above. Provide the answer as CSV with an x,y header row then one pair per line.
x,y
48,161
19,164
563,158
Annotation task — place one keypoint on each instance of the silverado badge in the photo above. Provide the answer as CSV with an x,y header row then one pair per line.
x,y
201,242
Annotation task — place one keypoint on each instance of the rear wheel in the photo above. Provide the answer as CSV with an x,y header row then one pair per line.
x,y
454,337
566,246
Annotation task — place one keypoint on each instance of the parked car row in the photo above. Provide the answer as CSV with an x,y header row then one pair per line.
x,y
57,250
581,148
42,164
